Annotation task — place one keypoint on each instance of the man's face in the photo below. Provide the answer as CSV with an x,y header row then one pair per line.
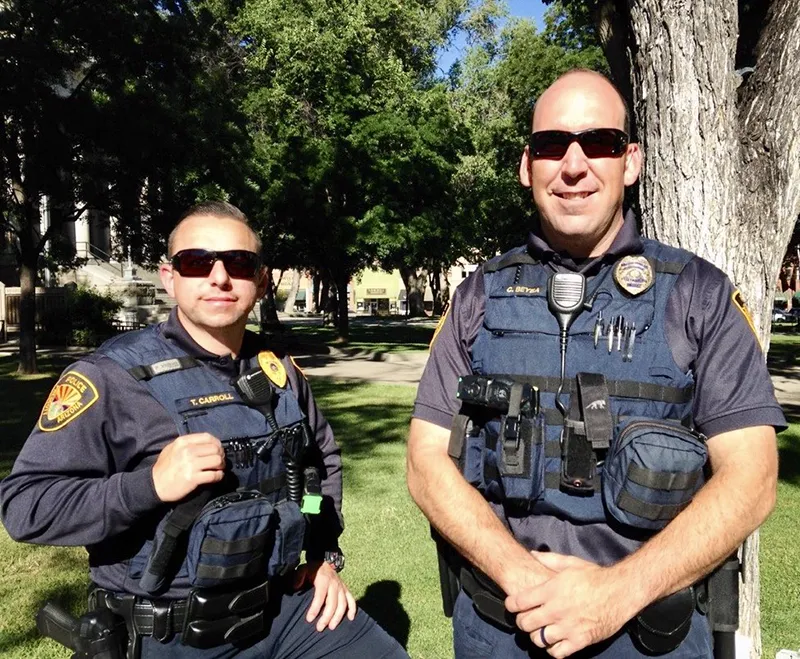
x,y
217,302
580,198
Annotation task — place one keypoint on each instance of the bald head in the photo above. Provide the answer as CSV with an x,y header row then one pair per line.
x,y
589,90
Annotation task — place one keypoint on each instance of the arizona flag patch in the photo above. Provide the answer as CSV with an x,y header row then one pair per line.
x,y
71,396
738,301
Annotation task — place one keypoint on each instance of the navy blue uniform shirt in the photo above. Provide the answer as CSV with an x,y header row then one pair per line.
x,y
90,481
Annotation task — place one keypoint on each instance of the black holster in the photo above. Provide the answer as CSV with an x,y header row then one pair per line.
x,y
449,567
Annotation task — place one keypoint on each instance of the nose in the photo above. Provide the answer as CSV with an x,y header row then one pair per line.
x,y
574,164
219,275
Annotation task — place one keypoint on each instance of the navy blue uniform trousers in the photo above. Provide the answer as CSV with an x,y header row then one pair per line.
x,y
476,638
290,637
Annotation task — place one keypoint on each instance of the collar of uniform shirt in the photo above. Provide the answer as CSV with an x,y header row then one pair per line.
x,y
172,330
627,241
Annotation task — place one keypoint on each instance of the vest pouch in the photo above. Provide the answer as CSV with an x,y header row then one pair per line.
x,y
289,537
652,471
232,540
520,459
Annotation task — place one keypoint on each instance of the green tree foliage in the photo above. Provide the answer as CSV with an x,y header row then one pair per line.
x,y
110,106
353,144
500,79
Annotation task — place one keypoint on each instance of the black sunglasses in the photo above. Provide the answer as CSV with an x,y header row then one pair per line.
x,y
239,263
595,142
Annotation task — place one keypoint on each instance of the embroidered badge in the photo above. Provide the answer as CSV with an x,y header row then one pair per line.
x,y
273,368
738,301
634,274
72,395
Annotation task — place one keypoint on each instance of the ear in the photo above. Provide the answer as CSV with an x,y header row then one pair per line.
x,y
633,164
525,168
167,278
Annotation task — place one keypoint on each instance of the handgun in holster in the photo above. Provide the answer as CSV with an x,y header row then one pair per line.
x,y
95,635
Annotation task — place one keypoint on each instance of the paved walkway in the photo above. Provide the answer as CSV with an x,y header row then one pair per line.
x,y
406,368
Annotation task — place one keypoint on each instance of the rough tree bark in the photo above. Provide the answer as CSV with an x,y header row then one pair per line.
x,y
415,283
721,172
288,306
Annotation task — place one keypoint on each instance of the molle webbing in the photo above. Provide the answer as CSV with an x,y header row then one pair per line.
x,y
146,372
616,388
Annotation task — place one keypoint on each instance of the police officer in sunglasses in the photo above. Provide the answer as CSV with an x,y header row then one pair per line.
x,y
594,433
191,460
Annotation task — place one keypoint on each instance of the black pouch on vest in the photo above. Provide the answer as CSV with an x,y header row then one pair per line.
x,y
663,625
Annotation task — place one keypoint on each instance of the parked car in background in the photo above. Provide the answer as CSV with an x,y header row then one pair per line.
x,y
782,316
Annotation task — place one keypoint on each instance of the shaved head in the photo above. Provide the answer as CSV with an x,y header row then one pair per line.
x,y
590,80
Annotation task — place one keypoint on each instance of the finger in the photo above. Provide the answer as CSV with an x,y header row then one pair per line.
x,y
208,463
320,593
331,602
210,476
548,636
532,620
352,606
526,599
341,609
562,649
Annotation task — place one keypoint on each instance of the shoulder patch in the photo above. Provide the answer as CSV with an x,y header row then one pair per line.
x,y
738,301
439,326
297,366
634,274
273,368
71,396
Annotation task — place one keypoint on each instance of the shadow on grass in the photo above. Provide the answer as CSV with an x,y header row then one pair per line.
x,y
789,464
381,601
72,597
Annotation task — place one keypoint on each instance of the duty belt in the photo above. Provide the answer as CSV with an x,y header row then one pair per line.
x,y
203,619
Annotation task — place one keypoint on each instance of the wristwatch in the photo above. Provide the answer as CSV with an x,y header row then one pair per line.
x,y
335,559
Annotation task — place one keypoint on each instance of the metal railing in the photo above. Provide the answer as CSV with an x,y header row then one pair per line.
x,y
98,254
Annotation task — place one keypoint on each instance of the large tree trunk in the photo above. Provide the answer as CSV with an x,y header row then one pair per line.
x,y
436,290
343,321
415,284
269,310
721,171
288,306
29,246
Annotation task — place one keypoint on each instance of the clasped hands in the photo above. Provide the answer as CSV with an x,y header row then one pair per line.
x,y
578,604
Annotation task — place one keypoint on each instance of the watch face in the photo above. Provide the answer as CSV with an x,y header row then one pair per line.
x,y
335,559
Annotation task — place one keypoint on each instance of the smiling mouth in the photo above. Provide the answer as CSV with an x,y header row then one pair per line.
x,y
573,195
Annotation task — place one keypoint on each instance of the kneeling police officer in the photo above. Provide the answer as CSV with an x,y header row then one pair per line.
x,y
195,467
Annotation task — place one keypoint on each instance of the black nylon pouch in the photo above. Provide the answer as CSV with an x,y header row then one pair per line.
x,y
663,625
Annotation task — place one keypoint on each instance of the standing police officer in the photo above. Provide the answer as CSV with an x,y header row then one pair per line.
x,y
594,431
180,456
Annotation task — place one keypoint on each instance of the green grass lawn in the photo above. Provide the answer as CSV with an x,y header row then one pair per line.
x,y
391,559
367,334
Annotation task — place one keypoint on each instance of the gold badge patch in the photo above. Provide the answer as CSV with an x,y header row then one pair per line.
x,y
738,301
272,367
72,395
634,274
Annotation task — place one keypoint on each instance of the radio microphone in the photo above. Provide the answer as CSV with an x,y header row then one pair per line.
x,y
566,292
